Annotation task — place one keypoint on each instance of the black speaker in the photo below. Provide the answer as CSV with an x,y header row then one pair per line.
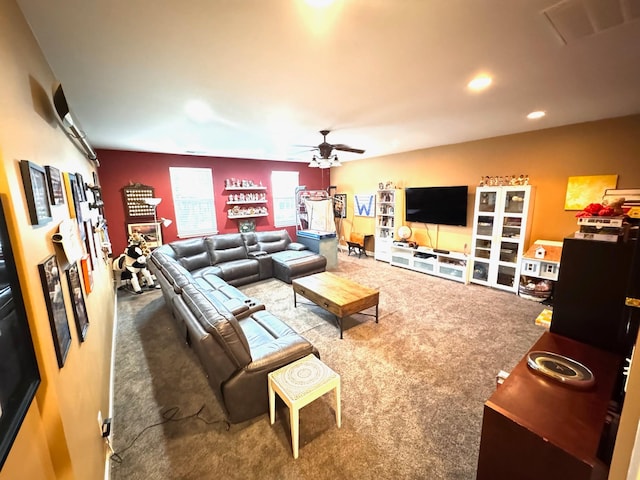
x,y
589,296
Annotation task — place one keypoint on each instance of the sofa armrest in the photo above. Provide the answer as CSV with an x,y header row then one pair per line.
x,y
257,254
296,246
279,353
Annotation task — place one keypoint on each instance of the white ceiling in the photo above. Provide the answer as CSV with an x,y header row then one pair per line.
x,y
384,75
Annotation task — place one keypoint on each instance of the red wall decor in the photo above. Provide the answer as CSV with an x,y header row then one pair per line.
x,y
119,168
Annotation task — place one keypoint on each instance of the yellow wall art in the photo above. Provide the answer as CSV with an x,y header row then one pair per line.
x,y
583,190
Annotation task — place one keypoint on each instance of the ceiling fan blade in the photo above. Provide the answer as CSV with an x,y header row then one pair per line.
x,y
347,148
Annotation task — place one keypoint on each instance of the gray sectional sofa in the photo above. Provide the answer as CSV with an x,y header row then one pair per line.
x,y
237,341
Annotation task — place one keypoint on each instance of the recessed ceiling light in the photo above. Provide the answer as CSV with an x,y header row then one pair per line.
x,y
535,115
480,82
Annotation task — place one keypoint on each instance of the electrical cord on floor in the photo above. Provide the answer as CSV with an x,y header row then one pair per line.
x,y
168,415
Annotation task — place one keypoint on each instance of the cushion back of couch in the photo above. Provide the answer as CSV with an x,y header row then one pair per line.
x,y
192,253
274,241
173,271
226,247
221,325
251,241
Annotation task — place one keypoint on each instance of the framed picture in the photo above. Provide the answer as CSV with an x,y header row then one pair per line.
x,y
340,205
149,231
245,226
365,205
19,375
87,274
77,298
90,243
56,189
586,189
35,187
70,187
50,276
81,189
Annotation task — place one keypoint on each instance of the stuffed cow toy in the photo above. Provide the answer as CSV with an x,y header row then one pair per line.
x,y
130,264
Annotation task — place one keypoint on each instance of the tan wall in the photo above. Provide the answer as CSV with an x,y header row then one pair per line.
x,y
549,157
59,437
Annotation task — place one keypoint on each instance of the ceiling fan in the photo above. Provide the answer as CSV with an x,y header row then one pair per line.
x,y
327,157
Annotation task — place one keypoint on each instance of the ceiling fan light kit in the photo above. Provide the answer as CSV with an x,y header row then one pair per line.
x,y
327,158
325,162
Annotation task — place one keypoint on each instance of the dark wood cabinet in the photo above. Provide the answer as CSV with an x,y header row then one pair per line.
x,y
537,428
589,297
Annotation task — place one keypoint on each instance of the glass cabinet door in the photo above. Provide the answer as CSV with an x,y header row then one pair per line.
x,y
485,226
509,252
506,275
482,248
481,271
511,227
514,201
487,202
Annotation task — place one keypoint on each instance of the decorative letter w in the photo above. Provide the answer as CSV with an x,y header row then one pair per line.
x,y
364,205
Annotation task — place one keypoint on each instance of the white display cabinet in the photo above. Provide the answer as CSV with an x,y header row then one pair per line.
x,y
389,216
452,265
501,225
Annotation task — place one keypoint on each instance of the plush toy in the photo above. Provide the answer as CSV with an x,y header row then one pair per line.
x,y
130,264
136,239
615,204
608,208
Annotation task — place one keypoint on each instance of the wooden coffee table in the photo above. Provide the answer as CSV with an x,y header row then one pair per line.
x,y
337,295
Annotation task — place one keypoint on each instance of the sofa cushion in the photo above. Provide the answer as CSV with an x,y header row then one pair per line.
x,y
180,276
209,277
296,246
251,241
272,341
173,272
240,272
219,322
271,242
226,247
291,264
192,253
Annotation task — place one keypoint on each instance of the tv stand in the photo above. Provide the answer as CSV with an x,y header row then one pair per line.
x,y
449,265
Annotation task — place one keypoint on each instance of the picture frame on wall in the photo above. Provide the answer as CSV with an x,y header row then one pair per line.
x,y
340,205
56,188
70,187
19,375
77,300
149,231
34,179
81,190
90,243
245,226
52,287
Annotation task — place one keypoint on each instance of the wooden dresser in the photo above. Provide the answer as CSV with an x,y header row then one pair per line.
x,y
537,428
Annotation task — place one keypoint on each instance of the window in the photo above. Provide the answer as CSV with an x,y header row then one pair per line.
x,y
284,198
192,190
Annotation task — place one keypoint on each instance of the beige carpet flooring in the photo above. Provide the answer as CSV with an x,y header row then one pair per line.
x,y
413,385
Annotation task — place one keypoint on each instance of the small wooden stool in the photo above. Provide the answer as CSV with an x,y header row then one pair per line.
x,y
299,384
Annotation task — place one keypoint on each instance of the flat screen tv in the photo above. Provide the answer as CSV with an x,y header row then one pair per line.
x,y
437,205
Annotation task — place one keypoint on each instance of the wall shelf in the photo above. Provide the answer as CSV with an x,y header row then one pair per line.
x,y
233,217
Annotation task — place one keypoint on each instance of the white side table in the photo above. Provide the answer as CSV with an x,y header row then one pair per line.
x,y
299,384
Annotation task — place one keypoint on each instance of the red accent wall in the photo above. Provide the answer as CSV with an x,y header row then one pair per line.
x,y
120,168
